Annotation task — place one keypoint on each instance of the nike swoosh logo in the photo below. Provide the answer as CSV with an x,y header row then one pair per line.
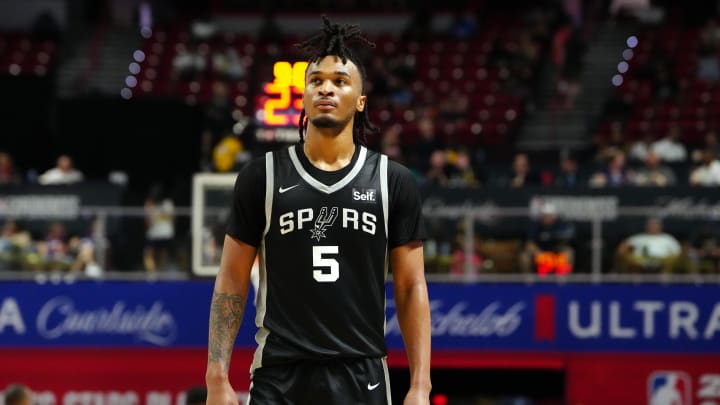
x,y
282,190
372,387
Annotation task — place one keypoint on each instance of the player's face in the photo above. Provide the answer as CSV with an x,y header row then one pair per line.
x,y
333,92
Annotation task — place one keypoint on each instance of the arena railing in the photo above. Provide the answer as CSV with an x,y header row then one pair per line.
x,y
594,234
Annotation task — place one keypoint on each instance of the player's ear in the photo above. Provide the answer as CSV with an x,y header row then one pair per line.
x,y
360,104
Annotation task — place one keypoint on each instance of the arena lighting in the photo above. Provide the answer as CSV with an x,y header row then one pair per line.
x,y
134,68
628,54
146,32
15,69
126,93
131,81
632,41
617,80
623,67
139,56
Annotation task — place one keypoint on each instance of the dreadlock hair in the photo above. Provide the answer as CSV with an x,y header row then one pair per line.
x,y
333,40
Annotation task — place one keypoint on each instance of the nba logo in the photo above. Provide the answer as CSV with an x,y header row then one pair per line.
x,y
669,388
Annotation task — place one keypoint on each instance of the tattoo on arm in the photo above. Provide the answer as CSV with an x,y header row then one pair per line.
x,y
226,313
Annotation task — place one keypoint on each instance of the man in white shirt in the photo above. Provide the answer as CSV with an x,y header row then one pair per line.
x,y
670,149
649,251
62,173
708,172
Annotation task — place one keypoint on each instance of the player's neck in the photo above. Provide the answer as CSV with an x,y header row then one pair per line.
x,y
329,152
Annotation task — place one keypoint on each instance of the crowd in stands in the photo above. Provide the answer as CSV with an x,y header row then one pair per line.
x,y
445,102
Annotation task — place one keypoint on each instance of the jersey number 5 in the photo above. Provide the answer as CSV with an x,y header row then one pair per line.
x,y
322,275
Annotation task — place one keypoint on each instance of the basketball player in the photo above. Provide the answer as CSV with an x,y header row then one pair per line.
x,y
326,217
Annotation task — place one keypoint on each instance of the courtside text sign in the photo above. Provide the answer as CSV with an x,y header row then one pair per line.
x,y
544,317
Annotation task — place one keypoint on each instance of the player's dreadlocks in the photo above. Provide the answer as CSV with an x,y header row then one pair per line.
x,y
333,40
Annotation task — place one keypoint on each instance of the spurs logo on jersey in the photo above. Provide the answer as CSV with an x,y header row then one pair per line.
x,y
351,219
323,222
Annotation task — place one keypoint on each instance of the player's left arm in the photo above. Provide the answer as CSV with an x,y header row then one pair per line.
x,y
406,232
413,310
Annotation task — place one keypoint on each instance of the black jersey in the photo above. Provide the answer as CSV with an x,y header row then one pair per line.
x,y
323,251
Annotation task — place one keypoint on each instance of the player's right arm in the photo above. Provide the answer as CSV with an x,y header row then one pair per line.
x,y
244,231
226,313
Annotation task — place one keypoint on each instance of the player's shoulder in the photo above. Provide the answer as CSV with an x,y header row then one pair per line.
x,y
399,172
255,166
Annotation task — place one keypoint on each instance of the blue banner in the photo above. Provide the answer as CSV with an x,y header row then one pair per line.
x,y
513,317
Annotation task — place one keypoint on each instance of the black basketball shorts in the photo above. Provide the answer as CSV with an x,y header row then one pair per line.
x,y
328,382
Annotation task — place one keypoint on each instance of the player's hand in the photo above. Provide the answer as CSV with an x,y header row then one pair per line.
x,y
417,396
221,394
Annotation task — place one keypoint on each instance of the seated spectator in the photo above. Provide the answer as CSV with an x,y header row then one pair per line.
x,y
17,394
83,249
708,172
160,224
568,175
438,172
390,143
654,173
640,148
189,62
652,250
710,141
704,248
670,149
547,247
521,174
460,257
615,173
427,144
462,173
14,245
607,147
7,170
227,64
62,173
54,251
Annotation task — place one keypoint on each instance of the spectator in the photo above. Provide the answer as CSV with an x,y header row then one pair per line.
x,y
428,143
654,174
463,174
62,173
196,396
709,142
14,245
390,143
7,170
670,149
652,250
615,173
708,172
17,394
607,147
84,249
551,235
227,64
437,174
704,248
567,176
160,224
54,250
189,62
460,257
521,174
640,148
